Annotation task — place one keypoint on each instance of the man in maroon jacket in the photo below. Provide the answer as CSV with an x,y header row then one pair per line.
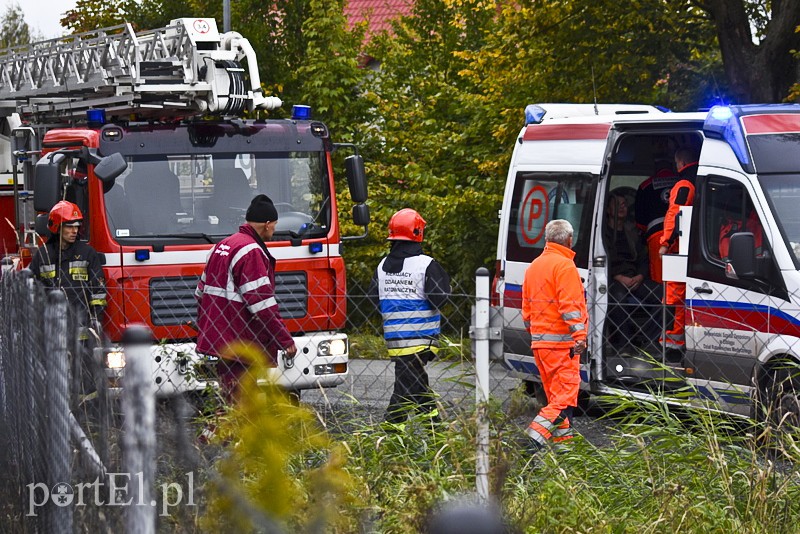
x,y
236,296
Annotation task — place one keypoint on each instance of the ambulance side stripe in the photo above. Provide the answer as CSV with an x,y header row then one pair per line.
x,y
566,132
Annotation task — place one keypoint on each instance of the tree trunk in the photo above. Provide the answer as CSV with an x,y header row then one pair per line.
x,y
764,72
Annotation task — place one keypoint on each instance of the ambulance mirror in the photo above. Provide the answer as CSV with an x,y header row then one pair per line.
x,y
47,182
742,255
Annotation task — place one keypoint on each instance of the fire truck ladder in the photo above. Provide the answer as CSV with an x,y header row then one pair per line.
x,y
186,68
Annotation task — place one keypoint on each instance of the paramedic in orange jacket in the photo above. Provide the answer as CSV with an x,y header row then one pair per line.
x,y
682,194
554,310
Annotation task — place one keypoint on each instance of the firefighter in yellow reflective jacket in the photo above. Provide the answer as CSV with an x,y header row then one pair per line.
x,y
68,264
410,288
554,310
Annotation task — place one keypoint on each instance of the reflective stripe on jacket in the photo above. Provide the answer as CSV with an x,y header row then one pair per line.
x,y
410,322
236,295
78,270
553,303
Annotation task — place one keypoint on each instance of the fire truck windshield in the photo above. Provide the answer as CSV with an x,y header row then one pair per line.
x,y
199,196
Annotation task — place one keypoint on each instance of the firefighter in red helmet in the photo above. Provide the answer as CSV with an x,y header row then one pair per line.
x,y
68,264
409,289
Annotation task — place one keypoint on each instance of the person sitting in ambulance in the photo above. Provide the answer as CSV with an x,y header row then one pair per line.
x,y
631,290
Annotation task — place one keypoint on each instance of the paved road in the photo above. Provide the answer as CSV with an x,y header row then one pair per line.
x,y
370,383
364,395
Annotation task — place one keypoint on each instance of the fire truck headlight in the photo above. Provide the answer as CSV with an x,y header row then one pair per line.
x,y
332,347
115,360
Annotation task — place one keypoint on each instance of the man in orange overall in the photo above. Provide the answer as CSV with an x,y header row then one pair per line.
x,y
554,310
682,194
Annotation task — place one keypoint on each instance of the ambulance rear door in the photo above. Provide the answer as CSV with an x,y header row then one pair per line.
x,y
553,175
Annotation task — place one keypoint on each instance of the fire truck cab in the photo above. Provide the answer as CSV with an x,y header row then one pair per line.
x,y
738,254
162,169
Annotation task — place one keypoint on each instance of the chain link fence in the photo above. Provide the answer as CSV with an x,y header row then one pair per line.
x,y
113,434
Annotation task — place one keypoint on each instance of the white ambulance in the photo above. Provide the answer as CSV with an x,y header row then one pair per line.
x,y
742,279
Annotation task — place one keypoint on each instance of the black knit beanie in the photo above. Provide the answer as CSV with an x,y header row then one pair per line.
x,y
261,210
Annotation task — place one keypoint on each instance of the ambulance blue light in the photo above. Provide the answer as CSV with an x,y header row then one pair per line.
x,y
142,254
723,123
301,113
721,113
96,117
534,114
315,248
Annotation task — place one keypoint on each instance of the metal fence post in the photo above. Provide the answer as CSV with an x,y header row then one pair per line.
x,y
139,443
59,514
481,337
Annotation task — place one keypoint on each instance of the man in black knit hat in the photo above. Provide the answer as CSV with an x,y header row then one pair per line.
x,y
236,296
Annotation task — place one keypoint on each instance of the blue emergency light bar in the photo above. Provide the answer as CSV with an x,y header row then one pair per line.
x,y
723,123
301,113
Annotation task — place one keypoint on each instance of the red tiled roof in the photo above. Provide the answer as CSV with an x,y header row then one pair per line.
x,y
378,13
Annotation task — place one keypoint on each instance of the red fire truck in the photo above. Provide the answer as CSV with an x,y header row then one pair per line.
x,y
142,132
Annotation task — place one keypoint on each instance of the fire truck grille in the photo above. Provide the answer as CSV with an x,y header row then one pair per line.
x,y
172,300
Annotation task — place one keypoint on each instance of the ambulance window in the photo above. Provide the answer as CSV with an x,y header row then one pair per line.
x,y
728,210
541,197
726,207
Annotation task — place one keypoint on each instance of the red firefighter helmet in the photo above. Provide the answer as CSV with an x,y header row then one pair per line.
x,y
406,225
64,213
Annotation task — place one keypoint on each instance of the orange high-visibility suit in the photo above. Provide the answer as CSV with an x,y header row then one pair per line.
x,y
554,307
682,194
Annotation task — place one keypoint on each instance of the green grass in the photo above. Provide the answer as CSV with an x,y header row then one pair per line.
x,y
656,469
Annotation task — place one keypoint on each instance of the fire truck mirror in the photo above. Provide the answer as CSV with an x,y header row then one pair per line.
x,y
109,168
356,178
40,225
47,182
361,214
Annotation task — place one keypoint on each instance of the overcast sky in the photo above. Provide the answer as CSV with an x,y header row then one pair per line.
x,y
43,15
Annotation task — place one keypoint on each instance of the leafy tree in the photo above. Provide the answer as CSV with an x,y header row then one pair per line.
x,y
329,76
14,31
420,145
757,39
456,76
92,14
794,92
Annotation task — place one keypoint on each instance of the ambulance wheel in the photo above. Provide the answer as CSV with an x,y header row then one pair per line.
x,y
780,403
